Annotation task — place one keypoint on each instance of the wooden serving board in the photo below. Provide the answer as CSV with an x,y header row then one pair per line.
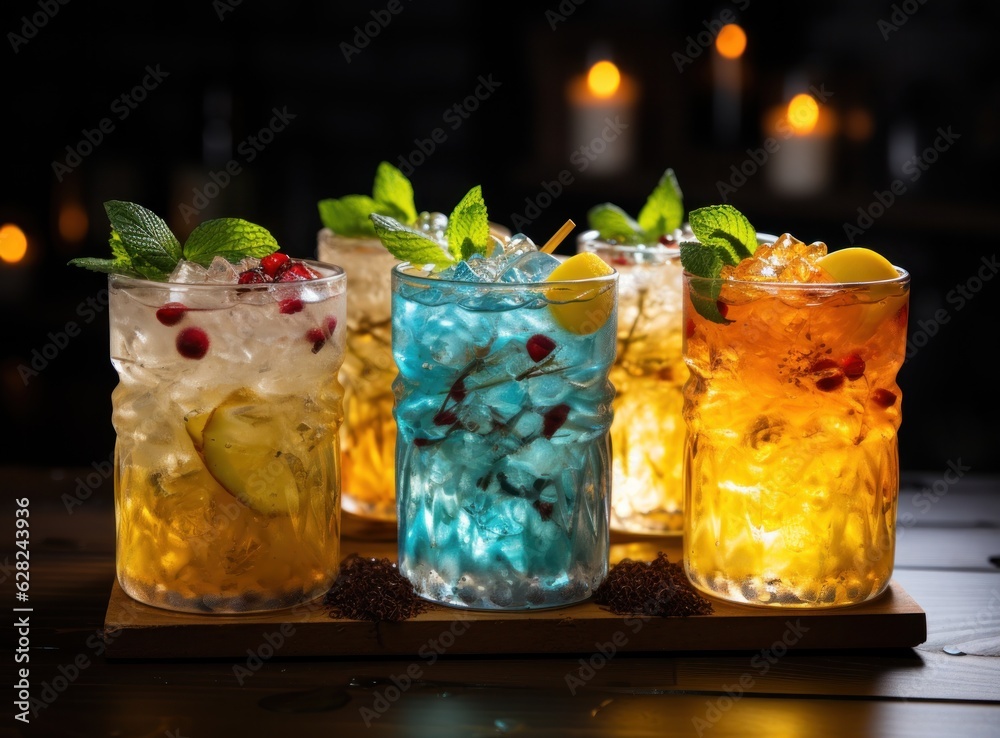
x,y
136,631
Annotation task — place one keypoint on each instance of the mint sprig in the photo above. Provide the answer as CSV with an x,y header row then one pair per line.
x,y
392,196
142,244
725,236
467,234
663,212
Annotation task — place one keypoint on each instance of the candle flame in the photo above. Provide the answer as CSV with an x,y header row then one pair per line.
x,y
731,41
13,243
603,79
803,113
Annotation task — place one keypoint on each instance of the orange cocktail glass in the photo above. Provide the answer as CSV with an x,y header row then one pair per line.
x,y
792,410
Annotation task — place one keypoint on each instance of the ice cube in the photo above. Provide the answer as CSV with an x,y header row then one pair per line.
x,y
188,272
222,271
529,267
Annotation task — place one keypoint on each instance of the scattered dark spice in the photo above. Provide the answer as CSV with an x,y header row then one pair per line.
x,y
372,589
657,587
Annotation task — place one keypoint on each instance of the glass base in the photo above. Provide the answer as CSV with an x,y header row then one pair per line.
x,y
218,604
760,595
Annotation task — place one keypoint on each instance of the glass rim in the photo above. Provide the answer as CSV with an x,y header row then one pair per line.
x,y
124,280
902,278
592,236
398,270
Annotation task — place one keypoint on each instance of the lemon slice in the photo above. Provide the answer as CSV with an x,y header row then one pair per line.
x,y
857,264
581,309
241,444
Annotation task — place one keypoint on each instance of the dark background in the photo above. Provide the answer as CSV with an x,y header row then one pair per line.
x,y
228,66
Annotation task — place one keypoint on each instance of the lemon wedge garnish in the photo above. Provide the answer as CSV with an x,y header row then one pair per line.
x,y
581,309
857,264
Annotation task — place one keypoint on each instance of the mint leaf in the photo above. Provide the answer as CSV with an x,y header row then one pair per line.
x,y
726,227
152,249
348,215
231,238
704,263
468,230
613,223
664,208
407,244
394,190
120,263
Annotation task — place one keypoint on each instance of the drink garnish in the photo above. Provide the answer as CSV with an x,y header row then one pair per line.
x,y
661,215
392,196
468,233
142,244
570,305
857,264
725,237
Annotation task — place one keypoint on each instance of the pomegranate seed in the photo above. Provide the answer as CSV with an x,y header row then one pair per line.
x,y
619,260
294,272
272,262
458,392
544,508
722,307
822,365
667,240
853,366
331,325
554,419
171,313
316,337
422,442
192,343
539,347
884,397
253,276
289,306
445,417
828,384
689,328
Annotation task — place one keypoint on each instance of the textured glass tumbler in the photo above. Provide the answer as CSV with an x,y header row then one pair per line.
x,y
792,467
226,413
503,461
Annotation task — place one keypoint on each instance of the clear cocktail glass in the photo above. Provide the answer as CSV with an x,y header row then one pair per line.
x,y
793,409
503,459
227,409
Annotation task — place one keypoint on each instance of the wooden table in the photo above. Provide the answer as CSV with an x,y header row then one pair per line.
x,y
947,560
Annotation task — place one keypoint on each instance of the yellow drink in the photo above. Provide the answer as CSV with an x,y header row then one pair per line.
x,y
227,485
792,411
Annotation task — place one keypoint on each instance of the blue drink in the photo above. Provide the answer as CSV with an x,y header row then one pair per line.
x,y
503,469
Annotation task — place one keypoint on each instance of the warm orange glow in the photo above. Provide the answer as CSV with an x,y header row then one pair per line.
x,y
731,41
603,79
803,113
73,222
13,243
